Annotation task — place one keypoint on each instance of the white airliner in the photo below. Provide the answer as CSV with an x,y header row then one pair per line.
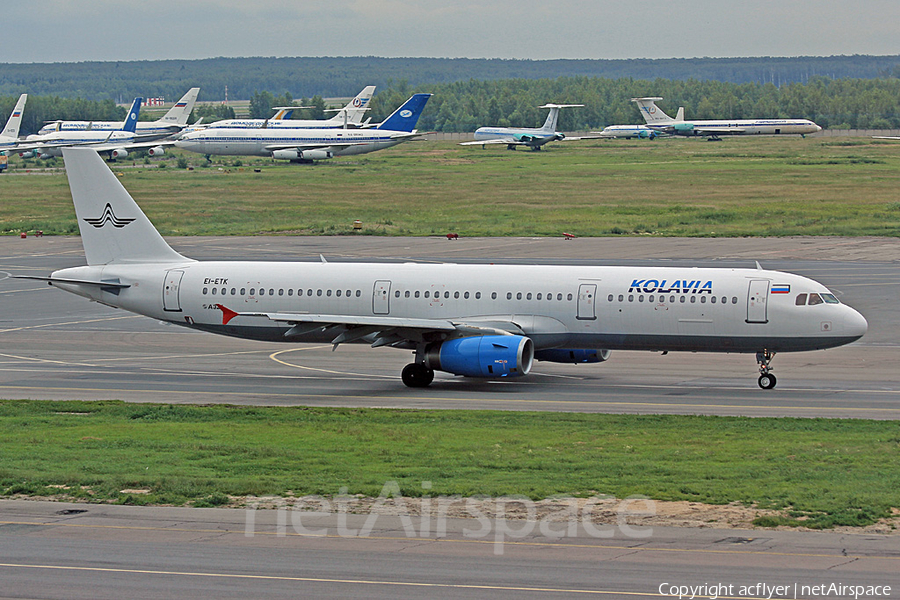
x,y
660,121
305,145
532,137
349,116
628,131
487,320
174,121
9,137
114,143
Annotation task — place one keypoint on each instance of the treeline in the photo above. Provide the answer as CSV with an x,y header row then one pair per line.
x,y
331,77
465,106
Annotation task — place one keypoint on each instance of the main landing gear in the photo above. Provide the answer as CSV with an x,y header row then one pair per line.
x,y
766,380
417,375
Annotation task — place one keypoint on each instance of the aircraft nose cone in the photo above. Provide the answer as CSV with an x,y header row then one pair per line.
x,y
855,324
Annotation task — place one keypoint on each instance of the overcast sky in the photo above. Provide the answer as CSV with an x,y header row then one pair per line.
x,y
80,30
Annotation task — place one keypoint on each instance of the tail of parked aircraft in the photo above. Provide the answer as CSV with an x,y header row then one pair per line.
x,y
113,228
15,119
132,117
406,117
178,114
653,114
553,117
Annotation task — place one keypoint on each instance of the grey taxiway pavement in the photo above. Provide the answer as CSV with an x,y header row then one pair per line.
x,y
58,346
68,551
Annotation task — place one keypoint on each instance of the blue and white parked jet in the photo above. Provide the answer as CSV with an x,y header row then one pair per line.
x,y
534,138
349,116
660,121
114,143
9,137
173,122
487,320
305,145
628,132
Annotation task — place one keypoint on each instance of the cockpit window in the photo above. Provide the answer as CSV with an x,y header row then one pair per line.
x,y
801,300
815,299
830,299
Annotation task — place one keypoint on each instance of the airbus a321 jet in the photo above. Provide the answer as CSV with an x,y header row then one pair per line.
x,y
534,138
658,120
487,320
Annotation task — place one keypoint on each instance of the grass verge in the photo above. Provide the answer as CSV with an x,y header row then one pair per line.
x,y
822,472
671,187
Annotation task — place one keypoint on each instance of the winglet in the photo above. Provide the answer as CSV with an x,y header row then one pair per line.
x,y
227,313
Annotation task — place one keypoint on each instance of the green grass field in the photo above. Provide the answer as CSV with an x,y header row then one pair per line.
x,y
828,471
672,187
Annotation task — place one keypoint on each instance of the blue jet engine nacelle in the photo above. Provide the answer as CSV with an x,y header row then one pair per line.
x,y
483,356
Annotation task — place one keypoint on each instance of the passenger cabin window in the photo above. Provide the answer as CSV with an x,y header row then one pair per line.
x,y
801,300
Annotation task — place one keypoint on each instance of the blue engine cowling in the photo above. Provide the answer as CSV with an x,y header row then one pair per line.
x,y
483,356
563,355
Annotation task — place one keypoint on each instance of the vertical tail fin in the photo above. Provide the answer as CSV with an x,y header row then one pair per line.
x,y
553,118
15,119
132,117
679,116
178,114
356,108
113,227
406,117
652,114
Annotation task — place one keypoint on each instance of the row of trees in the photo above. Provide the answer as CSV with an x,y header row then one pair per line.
x,y
465,106
344,76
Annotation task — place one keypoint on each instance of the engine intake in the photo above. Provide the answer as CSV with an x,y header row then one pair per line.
x,y
483,356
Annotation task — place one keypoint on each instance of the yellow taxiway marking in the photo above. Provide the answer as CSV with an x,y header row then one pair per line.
x,y
366,582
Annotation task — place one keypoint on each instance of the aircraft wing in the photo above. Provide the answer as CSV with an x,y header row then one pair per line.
x,y
378,330
107,146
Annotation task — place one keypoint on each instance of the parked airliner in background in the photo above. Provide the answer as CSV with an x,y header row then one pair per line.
x,y
349,116
173,122
660,121
486,320
628,131
305,145
9,137
534,138
114,143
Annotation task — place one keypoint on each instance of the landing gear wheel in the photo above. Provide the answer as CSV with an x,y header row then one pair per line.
x,y
767,382
417,375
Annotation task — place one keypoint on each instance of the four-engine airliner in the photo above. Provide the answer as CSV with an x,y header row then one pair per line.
x,y
174,121
115,143
487,320
9,137
349,116
305,145
660,121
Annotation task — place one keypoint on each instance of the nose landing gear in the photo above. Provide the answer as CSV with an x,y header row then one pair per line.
x,y
766,379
